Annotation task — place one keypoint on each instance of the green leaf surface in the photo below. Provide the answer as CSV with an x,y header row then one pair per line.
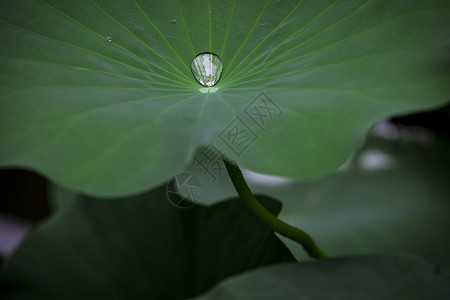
x,y
401,204
379,278
139,248
98,94
392,196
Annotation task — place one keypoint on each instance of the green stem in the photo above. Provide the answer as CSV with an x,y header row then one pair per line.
x,y
267,218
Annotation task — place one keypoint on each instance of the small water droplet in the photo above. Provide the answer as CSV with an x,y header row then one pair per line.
x,y
173,21
207,68
108,38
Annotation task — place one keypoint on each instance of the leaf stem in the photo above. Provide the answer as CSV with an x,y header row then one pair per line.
x,y
267,218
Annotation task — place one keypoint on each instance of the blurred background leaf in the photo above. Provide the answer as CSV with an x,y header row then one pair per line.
x,y
368,278
392,196
138,247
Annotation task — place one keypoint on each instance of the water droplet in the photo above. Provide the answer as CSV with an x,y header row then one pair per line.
x,y
173,21
108,38
207,68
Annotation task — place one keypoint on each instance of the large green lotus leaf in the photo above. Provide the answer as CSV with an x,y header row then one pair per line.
x,y
98,94
392,196
344,278
139,248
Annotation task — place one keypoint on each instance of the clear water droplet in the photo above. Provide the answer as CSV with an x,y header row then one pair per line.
x,y
108,38
207,68
173,21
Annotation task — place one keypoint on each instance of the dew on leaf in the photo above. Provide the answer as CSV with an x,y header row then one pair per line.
x,y
108,38
207,68
173,21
